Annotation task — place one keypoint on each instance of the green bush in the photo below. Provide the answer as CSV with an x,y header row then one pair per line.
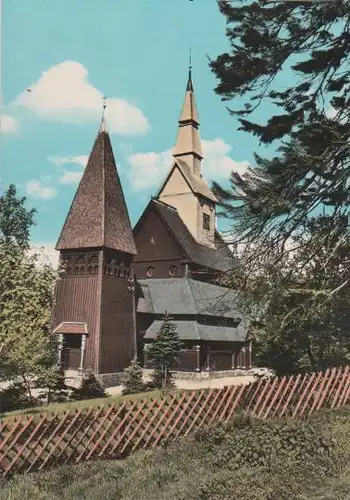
x,y
15,397
90,389
132,378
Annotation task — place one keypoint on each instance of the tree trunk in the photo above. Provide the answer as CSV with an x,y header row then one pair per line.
x,y
27,384
165,376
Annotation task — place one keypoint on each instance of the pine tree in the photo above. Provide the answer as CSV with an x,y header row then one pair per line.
x,y
164,351
290,213
132,378
90,389
311,42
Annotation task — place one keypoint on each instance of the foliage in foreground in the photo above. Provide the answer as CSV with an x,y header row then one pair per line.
x,y
274,460
27,351
290,213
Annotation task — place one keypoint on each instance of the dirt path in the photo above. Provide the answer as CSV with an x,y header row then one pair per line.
x,y
214,383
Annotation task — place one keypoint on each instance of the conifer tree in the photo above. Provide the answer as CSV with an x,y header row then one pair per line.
x,y
164,351
90,388
290,213
132,378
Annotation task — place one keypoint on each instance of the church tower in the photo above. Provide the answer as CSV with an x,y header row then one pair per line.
x,y
94,311
185,188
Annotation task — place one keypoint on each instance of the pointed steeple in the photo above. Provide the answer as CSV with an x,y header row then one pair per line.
x,y
98,216
188,144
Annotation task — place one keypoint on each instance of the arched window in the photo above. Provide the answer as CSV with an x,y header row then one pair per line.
x,y
150,272
173,271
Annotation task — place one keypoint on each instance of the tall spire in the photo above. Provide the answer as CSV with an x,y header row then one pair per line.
x,y
98,216
188,143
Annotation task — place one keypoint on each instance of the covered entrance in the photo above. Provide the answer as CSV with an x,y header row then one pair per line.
x,y
72,338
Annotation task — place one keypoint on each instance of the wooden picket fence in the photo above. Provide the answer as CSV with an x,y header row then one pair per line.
x,y
34,443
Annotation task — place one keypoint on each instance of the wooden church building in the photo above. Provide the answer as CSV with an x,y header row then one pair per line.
x,y
116,283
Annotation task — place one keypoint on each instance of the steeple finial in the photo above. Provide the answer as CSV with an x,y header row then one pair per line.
x,y
103,126
189,82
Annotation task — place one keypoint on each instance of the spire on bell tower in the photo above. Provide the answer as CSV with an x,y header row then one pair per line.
x,y
188,144
103,125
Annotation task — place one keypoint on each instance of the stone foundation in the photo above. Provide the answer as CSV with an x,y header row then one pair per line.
x,y
73,378
217,374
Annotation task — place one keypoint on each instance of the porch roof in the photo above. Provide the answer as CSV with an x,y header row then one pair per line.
x,y
71,327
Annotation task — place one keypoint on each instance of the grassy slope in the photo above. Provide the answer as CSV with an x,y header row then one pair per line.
x,y
87,403
281,460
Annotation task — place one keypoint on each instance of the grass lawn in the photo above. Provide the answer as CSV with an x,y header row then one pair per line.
x,y
87,403
286,459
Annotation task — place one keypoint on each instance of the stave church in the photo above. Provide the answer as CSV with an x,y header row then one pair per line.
x,y
117,282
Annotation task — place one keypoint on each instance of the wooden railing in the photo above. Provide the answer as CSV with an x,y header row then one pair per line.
x,y
113,431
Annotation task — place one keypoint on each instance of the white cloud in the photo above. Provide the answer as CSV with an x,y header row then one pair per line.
x,y
36,189
217,164
59,161
46,253
8,124
70,177
63,93
147,169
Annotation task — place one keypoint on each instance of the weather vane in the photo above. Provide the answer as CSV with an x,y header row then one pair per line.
x,y
103,120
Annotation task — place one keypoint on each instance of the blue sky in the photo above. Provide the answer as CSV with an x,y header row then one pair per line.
x,y
72,52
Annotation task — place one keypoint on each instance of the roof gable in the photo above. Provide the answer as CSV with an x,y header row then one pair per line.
x,y
150,225
197,185
219,258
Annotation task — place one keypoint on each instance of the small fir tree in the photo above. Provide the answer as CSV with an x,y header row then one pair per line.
x,y
89,389
164,351
132,378
55,384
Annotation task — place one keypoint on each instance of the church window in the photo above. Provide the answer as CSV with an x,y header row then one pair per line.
x,y
150,272
206,222
93,258
173,271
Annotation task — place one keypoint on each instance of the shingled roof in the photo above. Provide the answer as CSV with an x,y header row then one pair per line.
x,y
219,258
187,296
98,216
192,330
194,299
